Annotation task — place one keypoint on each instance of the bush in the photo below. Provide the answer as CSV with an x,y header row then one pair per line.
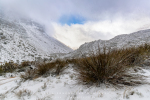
x,y
23,93
9,66
55,67
25,63
60,66
28,75
44,68
105,66
71,61
109,67
1,70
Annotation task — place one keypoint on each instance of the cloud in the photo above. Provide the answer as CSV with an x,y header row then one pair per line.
x,y
77,34
90,9
103,19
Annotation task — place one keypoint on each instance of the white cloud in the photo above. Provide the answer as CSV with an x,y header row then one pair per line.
x,y
105,18
75,35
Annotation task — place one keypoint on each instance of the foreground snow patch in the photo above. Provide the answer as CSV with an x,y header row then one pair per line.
x,y
65,87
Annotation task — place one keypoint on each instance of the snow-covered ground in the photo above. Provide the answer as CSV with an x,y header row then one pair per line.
x,y
26,40
65,87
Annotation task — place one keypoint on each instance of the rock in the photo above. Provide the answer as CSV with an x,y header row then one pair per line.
x,y
1,33
146,62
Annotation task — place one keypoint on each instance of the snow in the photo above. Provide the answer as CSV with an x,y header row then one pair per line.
x,y
26,40
65,87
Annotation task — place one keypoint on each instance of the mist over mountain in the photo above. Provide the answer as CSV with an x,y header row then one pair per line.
x,y
21,38
121,41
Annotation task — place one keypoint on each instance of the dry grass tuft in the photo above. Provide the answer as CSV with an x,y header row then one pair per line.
x,y
54,67
28,75
9,67
60,66
106,66
25,63
45,69
110,66
22,93
1,70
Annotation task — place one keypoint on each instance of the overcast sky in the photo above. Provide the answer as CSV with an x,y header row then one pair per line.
x,y
75,22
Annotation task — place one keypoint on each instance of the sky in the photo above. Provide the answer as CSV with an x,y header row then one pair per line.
x,y
74,22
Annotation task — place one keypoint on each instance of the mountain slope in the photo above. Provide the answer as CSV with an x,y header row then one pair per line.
x,y
120,41
25,40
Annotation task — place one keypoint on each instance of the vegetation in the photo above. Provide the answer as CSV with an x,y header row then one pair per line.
x,y
25,63
1,71
28,75
8,67
54,67
22,93
106,66
111,66
45,69
11,66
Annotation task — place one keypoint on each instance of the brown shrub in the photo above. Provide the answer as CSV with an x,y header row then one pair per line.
x,y
25,63
22,93
105,66
60,66
9,66
53,68
1,70
28,75
44,68
109,66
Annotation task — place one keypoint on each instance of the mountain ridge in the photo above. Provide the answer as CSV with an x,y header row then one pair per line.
x,y
120,41
26,40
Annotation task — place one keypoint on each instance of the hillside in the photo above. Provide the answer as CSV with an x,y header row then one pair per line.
x,y
118,75
24,39
120,41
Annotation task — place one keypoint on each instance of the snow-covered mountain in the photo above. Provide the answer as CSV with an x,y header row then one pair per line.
x,y
120,41
24,39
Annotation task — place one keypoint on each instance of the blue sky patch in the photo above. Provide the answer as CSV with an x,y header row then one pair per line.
x,y
71,19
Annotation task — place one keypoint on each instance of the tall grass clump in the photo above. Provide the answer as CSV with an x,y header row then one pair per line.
x,y
60,66
45,69
28,75
54,68
21,94
25,63
110,66
1,70
9,66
